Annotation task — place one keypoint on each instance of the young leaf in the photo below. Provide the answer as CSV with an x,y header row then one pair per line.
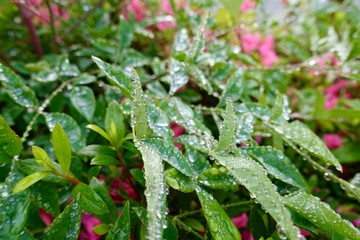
x,y
69,125
227,131
251,174
116,77
170,154
62,147
155,192
104,160
90,201
114,114
121,229
67,224
99,130
278,165
301,135
29,180
321,215
220,225
17,90
139,113
179,75
83,99
10,143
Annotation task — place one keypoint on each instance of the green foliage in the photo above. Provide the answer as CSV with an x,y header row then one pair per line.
x,y
10,143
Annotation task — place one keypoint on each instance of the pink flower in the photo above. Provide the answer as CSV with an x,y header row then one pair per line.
x,y
166,7
250,42
247,5
336,88
240,221
137,8
332,140
177,129
162,26
331,101
267,52
88,221
46,217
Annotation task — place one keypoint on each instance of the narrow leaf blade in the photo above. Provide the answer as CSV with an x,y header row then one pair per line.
x,y
10,143
62,147
29,180
227,131
121,229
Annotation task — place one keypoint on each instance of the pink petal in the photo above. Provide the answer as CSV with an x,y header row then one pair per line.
x,y
247,5
240,221
165,25
136,7
332,140
336,88
267,51
177,129
330,102
88,221
166,7
46,217
250,42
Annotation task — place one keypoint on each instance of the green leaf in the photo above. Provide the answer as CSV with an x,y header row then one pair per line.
x,y
155,191
170,154
29,180
10,143
348,153
17,90
121,229
227,131
234,87
83,99
200,79
125,33
221,226
181,43
197,161
251,174
257,225
198,40
104,160
245,128
321,215
90,201
114,114
301,135
194,224
277,109
99,130
139,113
218,178
159,122
67,224
179,75
179,181
101,229
94,150
278,165
69,125
46,196
116,77
62,147
138,174
103,192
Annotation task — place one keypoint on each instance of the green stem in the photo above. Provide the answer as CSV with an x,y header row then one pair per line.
x,y
187,228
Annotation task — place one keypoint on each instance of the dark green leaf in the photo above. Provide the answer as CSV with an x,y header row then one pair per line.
x,y
179,181
194,224
46,196
220,224
62,147
321,215
245,128
83,99
67,224
257,225
170,154
10,143
90,201
218,178
17,90
121,229
138,174
196,160
227,131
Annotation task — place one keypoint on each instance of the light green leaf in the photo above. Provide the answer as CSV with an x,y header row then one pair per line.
x,y
170,154
245,128
234,87
29,180
116,77
220,224
15,87
278,165
218,178
69,125
10,143
94,150
321,215
197,161
251,174
277,109
194,224
179,75
181,44
62,147
104,160
90,201
67,224
198,41
114,114
200,79
227,131
99,130
179,181
155,191
83,99
121,229
139,113
301,135
159,122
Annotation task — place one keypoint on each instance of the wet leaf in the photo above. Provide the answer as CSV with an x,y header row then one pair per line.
x,y
234,87
159,122
83,99
227,131
198,40
155,192
115,76
69,125
29,180
301,135
104,160
99,130
179,75
219,223
218,178
121,229
90,201
62,147
46,196
67,224
278,165
10,143
245,128
15,87
197,161
114,114
251,174
179,181
170,154
321,215
94,150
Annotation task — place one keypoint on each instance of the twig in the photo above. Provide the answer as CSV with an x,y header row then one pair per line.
x,y
57,39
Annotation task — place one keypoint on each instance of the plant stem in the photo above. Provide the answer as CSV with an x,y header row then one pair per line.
x,y
57,39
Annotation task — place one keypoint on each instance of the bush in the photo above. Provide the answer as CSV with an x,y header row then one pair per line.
x,y
179,120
